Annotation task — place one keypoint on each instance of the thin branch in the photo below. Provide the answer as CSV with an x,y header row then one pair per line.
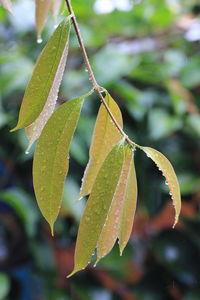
x,y
96,86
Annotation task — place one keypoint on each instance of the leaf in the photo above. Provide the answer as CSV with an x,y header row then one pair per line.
x,y
97,207
50,164
34,130
42,8
105,136
121,214
171,179
129,208
43,77
55,7
7,4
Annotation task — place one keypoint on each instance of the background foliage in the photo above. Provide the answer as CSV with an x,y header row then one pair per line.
x,y
148,58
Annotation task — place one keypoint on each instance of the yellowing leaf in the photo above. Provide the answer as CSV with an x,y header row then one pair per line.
x,y
55,7
129,207
111,229
34,130
7,4
43,77
50,164
97,207
42,8
171,179
105,136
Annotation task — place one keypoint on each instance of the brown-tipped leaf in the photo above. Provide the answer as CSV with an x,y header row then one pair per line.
x,y
105,136
43,76
171,179
97,207
111,230
50,165
42,8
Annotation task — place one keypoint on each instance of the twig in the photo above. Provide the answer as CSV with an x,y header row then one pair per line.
x,y
96,86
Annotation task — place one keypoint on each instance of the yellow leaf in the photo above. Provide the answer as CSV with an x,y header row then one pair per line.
x,y
97,207
171,179
105,136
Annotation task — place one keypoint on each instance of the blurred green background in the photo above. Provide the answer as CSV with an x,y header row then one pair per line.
x,y
147,54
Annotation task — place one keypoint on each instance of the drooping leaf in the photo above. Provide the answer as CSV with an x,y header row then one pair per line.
x,y
105,136
55,7
97,207
42,8
43,76
128,209
50,164
110,231
7,4
34,130
171,179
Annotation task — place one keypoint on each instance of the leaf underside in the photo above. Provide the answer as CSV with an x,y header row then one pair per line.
x,y
105,136
34,130
97,207
50,165
171,179
120,217
43,77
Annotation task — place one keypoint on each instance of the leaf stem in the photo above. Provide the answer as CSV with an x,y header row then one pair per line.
x,y
96,86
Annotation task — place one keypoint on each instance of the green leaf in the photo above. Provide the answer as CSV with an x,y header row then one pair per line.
x,y
171,179
7,4
97,207
50,165
119,221
43,76
41,11
105,136
34,130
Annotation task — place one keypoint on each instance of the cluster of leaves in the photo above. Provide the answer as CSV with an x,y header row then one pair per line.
x,y
109,178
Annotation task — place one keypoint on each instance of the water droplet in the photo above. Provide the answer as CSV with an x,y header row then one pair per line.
x,y
166,183
86,70
26,152
39,40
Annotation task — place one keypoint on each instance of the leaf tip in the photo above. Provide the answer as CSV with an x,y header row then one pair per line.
x,y
72,273
97,261
52,229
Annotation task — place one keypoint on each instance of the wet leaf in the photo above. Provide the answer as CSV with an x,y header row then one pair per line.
x,y
105,136
97,207
121,214
128,209
43,77
50,164
171,179
42,8
34,130
7,4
